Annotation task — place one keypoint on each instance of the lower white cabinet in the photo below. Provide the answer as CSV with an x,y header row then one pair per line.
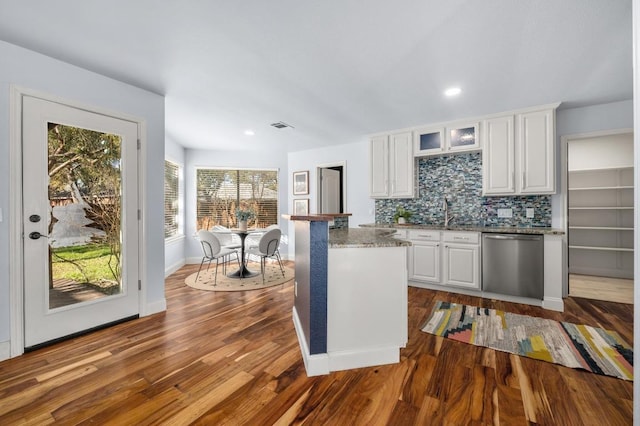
x,y
448,258
424,261
462,263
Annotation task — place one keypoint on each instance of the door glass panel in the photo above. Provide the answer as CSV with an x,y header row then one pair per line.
x,y
85,215
430,141
463,137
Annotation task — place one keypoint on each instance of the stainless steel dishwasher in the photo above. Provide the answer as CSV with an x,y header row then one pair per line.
x,y
513,264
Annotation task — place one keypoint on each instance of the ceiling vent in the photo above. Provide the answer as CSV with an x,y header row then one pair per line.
x,y
281,125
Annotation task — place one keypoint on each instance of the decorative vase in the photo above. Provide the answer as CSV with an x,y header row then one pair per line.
x,y
242,224
401,221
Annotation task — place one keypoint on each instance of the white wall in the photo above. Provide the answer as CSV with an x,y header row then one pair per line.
x,y
572,121
231,159
34,71
174,246
356,157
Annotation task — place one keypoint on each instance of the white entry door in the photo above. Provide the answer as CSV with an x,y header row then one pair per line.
x,y
80,220
330,198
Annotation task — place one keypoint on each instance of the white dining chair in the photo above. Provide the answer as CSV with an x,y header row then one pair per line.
x,y
212,250
267,248
227,238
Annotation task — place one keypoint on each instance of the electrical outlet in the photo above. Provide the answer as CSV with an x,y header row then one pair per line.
x,y
505,213
530,213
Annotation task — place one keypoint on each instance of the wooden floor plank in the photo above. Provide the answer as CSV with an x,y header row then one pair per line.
x,y
233,358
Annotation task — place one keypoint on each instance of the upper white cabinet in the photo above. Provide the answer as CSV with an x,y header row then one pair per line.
x,y
537,143
456,137
392,166
518,156
498,158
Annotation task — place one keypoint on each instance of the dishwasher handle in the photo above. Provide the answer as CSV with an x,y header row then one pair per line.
x,y
513,237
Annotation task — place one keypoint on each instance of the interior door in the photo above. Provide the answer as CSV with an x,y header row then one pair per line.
x,y
80,220
330,191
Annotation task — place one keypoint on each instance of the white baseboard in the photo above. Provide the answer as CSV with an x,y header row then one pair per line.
x,y
316,365
5,350
346,360
192,260
154,307
553,303
173,268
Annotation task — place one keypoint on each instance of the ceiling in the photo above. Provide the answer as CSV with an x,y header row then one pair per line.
x,y
336,70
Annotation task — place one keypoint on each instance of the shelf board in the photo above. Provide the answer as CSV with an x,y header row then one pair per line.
x,y
602,248
601,169
598,188
603,228
600,208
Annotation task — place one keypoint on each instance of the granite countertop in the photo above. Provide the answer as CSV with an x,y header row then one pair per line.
x,y
470,227
363,237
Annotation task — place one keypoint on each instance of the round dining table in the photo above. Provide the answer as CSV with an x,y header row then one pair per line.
x,y
243,272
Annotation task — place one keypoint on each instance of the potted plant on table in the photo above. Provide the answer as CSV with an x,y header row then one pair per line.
x,y
402,215
243,215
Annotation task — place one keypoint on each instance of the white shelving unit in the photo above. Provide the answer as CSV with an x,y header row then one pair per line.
x,y
601,221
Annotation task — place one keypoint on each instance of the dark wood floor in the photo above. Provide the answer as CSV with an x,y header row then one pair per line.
x,y
233,358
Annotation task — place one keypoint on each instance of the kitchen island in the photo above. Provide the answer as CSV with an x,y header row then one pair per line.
x,y
350,307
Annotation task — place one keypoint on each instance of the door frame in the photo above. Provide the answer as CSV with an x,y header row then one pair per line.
x,y
564,161
16,242
342,164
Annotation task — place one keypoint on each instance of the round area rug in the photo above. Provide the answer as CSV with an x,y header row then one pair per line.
x,y
273,276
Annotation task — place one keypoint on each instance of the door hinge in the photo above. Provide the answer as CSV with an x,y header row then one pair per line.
x,y
139,144
139,214
139,284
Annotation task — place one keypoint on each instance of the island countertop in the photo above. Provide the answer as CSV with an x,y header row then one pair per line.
x,y
364,237
473,228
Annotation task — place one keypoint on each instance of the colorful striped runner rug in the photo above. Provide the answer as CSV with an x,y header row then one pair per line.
x,y
576,346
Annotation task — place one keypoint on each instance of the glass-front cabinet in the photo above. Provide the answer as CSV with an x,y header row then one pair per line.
x,y
429,141
463,137
439,140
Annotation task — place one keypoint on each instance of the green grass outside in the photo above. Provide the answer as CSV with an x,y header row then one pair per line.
x,y
91,258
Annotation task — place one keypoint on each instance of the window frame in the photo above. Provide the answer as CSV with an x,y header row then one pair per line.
x,y
179,232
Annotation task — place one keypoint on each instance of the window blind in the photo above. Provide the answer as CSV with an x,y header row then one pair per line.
x,y
171,198
221,191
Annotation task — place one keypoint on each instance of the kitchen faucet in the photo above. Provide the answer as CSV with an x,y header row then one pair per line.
x,y
447,216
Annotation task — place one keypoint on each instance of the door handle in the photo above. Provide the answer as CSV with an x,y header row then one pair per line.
x,y
36,235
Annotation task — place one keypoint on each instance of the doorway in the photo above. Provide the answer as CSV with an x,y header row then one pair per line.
x,y
331,188
79,244
600,215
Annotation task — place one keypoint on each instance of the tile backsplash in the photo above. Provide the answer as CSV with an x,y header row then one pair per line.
x,y
459,179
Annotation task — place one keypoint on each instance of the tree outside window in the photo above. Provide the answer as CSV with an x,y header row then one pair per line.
x,y
221,191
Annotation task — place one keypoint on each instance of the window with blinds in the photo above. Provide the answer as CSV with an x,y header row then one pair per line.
x,y
221,191
171,199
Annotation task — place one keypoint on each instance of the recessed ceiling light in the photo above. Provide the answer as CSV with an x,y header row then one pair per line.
x,y
452,91
249,132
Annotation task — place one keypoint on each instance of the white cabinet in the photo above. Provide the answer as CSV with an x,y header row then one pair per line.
x,y
448,258
461,259
537,156
518,157
455,137
392,166
424,261
424,256
379,163
498,158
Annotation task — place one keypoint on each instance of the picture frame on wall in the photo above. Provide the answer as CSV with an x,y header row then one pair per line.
x,y
301,207
301,183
